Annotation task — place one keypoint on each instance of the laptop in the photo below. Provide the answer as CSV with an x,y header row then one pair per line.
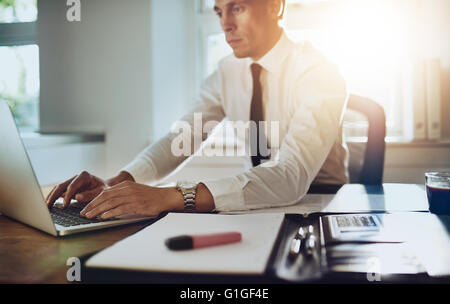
x,y
21,197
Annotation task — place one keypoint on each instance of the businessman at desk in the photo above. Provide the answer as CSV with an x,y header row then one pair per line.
x,y
268,78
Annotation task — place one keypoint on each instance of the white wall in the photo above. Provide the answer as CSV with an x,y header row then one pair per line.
x,y
173,61
51,165
407,163
123,70
96,74
434,35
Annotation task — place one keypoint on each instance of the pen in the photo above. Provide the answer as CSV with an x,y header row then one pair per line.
x,y
185,242
295,248
296,243
301,233
310,230
310,241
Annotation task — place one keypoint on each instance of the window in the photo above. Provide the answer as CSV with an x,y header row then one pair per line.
x,y
369,41
19,61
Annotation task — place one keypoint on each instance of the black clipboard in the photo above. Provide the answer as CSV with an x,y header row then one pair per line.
x,y
280,268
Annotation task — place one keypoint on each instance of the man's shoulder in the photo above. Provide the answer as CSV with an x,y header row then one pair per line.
x,y
304,56
306,50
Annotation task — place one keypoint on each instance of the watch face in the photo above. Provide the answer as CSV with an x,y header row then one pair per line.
x,y
187,184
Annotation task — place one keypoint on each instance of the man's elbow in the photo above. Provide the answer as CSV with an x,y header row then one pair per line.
x,y
301,181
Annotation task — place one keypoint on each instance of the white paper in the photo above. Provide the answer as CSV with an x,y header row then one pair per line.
x,y
429,239
146,249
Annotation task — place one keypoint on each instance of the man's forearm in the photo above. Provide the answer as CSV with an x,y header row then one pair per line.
x,y
204,201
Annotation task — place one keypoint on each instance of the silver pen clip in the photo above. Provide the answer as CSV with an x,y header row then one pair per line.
x,y
295,248
296,243
310,243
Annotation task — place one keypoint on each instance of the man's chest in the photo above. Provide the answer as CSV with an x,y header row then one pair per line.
x,y
277,93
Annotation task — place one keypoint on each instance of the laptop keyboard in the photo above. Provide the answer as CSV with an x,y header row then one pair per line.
x,y
70,217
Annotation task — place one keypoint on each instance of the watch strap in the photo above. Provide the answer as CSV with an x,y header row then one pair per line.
x,y
189,194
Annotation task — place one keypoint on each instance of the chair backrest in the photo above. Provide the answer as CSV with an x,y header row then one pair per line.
x,y
373,163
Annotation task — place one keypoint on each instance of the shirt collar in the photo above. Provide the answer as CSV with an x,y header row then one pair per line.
x,y
273,59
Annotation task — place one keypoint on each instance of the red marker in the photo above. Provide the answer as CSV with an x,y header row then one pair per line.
x,y
184,242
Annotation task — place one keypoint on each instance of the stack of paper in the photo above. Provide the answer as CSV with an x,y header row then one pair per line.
x,y
146,249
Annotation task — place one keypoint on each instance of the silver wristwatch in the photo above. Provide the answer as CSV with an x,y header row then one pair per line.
x,y
189,190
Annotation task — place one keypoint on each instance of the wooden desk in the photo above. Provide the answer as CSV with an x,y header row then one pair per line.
x,y
28,255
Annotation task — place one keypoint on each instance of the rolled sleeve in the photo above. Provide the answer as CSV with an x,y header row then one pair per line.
x,y
228,193
142,171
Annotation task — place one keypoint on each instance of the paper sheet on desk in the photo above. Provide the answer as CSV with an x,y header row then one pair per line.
x,y
355,198
429,238
146,250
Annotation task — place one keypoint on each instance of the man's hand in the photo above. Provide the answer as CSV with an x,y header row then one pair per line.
x,y
83,187
132,198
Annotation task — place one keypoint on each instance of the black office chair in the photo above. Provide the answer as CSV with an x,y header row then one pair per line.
x,y
366,160
370,171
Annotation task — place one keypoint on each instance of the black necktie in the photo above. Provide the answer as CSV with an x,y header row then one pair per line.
x,y
256,115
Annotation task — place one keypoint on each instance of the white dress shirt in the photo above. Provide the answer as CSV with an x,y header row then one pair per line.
x,y
302,91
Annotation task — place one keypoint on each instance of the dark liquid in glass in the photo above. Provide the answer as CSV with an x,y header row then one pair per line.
x,y
439,200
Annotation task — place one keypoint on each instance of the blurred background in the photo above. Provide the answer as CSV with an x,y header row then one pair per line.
x,y
91,94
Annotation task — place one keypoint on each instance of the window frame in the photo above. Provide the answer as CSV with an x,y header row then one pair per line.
x,y
297,19
20,34
17,34
205,16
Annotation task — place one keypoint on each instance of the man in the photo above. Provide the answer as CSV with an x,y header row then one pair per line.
x,y
268,78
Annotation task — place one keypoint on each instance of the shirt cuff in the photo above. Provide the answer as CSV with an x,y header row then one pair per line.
x,y
142,171
228,193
